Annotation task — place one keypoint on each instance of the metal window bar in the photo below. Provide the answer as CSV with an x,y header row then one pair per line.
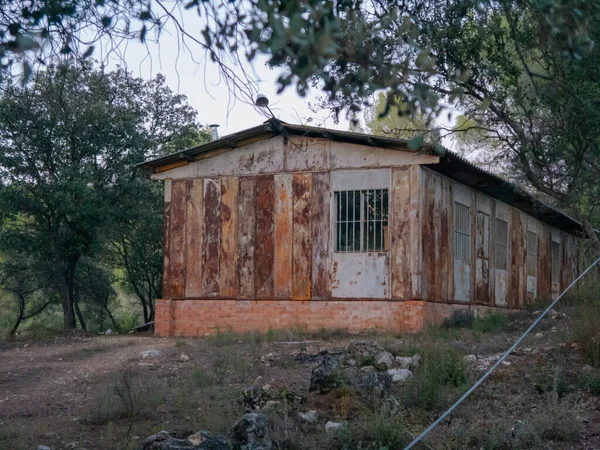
x,y
532,246
501,241
462,233
361,221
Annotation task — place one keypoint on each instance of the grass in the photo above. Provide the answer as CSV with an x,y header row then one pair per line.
x,y
375,431
490,323
584,305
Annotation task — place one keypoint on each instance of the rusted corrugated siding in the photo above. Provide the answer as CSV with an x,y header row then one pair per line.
x,y
246,236
166,280
482,254
264,253
211,242
194,220
283,236
544,273
518,278
430,244
301,244
569,267
177,238
447,241
400,234
228,279
416,231
321,236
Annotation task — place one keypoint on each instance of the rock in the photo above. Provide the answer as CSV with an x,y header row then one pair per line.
x,y
271,406
367,369
326,376
400,375
150,354
330,427
42,447
407,362
309,416
207,441
538,335
183,357
470,359
384,361
392,407
108,332
253,399
202,440
371,382
552,314
251,433
359,350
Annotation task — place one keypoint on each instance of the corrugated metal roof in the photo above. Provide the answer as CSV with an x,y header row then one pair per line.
x,y
451,164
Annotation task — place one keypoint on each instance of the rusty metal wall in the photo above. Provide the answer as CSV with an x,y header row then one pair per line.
x,y
269,237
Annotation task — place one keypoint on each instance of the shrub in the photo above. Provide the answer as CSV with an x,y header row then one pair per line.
x,y
556,424
442,375
490,323
203,378
586,327
461,318
591,383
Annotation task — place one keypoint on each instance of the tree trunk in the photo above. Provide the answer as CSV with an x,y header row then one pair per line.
x,y
13,330
68,297
80,316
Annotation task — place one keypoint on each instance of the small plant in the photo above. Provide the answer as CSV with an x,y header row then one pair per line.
x,y
591,383
376,431
203,378
368,360
490,323
461,318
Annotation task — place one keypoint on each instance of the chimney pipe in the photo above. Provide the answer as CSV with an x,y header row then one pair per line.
x,y
214,131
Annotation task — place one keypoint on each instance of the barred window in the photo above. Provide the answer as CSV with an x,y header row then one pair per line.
x,y
501,242
555,262
361,220
532,246
462,233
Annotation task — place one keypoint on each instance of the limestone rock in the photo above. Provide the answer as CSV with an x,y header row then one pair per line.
x,y
251,433
400,375
359,350
384,361
330,426
408,362
326,376
202,440
309,416
150,354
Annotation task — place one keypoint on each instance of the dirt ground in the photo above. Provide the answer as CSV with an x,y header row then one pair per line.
x,y
65,392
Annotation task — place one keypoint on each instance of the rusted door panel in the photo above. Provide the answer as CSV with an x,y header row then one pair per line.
x,y
400,234
360,275
178,250
229,235
194,221
264,254
301,241
246,236
320,222
211,237
283,236
518,281
482,261
166,281
462,282
501,285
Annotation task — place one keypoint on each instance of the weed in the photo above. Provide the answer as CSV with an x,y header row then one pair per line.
x,y
203,378
591,382
375,431
368,360
461,318
490,323
556,424
442,373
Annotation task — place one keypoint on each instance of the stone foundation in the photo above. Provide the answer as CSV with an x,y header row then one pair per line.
x,y
200,317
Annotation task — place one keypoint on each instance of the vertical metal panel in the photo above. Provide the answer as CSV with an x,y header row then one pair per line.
x,y
211,237
321,250
194,225
428,246
283,236
416,230
446,241
264,254
544,275
177,239
463,232
166,280
518,281
301,243
482,262
228,282
246,230
400,234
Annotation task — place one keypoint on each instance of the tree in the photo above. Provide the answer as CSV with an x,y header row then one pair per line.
x,y
397,123
69,141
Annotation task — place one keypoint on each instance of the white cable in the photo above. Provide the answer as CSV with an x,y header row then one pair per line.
x,y
488,373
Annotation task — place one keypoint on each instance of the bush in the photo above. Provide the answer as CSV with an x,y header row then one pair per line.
x,y
591,383
586,327
490,323
461,318
442,375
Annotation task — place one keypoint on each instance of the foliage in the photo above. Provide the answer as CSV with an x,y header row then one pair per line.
x,y
69,144
375,431
490,323
441,375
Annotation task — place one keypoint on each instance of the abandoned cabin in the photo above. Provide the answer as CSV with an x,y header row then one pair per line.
x,y
283,225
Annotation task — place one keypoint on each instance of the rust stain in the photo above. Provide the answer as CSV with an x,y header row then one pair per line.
x,y
400,234
301,240
246,236
166,281
194,221
265,244
211,242
170,166
321,252
482,268
416,232
177,250
282,278
229,250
